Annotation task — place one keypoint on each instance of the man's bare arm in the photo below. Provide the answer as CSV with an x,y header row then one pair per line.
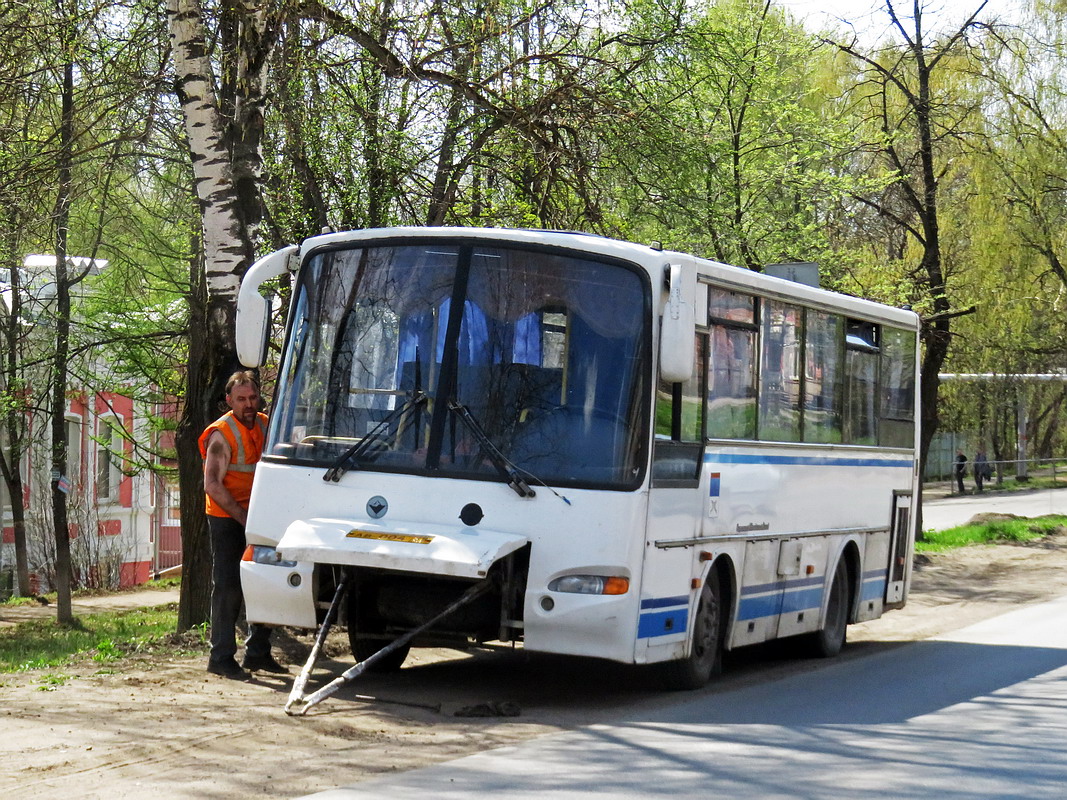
x,y
216,464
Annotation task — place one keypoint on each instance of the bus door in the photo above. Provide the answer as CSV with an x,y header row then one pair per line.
x,y
899,548
675,507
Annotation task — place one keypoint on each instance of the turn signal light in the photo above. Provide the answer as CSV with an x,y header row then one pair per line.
x,y
616,586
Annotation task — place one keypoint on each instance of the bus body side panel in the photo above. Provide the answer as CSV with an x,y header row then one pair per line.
x,y
774,512
667,592
784,509
803,564
873,578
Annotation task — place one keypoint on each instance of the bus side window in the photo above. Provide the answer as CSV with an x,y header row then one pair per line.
x,y
732,354
680,406
896,428
861,381
823,377
679,446
779,378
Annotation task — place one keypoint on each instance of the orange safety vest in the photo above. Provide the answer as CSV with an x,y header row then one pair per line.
x,y
246,446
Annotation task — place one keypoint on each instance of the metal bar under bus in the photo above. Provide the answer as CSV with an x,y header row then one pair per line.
x,y
296,696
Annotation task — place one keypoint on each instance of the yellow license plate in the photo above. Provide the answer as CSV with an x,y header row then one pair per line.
x,y
388,537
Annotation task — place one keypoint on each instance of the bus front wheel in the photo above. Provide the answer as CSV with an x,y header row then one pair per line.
x,y
705,655
366,631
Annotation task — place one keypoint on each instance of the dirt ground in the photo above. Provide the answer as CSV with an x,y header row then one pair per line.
x,y
163,727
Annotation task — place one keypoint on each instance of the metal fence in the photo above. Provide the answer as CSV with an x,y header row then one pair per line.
x,y
941,461
1039,471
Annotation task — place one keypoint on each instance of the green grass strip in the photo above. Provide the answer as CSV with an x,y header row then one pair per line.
x,y
104,637
1013,530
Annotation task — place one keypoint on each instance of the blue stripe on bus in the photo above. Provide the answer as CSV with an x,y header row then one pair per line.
x,y
778,585
772,599
808,461
808,599
768,605
763,600
663,623
771,605
873,587
663,602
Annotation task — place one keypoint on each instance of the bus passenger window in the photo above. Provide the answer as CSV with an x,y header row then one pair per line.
x,y
823,374
779,386
731,374
861,375
897,425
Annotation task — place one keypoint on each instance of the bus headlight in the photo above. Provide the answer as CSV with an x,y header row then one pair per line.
x,y
590,584
261,554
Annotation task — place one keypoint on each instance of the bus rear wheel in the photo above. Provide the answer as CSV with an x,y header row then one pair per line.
x,y
705,656
366,631
830,639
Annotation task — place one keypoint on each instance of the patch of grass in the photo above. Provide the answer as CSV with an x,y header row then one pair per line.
x,y
104,637
20,601
51,597
52,681
1012,530
163,583
1035,484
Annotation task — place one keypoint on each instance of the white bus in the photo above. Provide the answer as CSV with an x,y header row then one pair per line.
x,y
645,456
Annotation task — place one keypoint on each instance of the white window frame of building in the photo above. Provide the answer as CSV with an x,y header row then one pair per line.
x,y
109,445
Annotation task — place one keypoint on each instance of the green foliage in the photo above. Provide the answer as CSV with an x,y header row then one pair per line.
x,y
106,650
1000,531
103,637
19,601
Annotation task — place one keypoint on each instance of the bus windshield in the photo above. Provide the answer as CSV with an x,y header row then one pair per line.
x,y
399,352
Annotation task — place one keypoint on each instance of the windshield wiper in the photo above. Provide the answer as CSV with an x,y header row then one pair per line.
x,y
508,471
353,453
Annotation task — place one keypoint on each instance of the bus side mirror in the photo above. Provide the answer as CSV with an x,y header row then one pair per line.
x,y
677,337
253,309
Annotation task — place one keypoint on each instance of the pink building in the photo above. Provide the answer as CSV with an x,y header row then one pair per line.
x,y
122,502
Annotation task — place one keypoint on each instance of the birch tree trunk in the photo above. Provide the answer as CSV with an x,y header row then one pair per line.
x,y
224,131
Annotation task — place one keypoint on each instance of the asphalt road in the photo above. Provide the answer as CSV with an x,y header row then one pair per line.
x,y
949,512
980,713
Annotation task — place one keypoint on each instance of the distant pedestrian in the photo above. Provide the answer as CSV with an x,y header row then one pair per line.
x,y
961,469
982,470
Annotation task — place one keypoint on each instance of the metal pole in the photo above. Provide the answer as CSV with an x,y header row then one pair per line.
x,y
297,691
1021,473
354,672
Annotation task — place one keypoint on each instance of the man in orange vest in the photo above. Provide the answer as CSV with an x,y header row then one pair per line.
x,y
230,447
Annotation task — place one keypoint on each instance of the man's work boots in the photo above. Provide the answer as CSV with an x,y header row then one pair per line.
x,y
227,669
263,664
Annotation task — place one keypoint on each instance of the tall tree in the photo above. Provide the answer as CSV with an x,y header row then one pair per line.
x,y
916,124
729,147
24,177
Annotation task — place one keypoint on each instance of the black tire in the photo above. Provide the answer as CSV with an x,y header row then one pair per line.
x,y
366,632
705,656
828,640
